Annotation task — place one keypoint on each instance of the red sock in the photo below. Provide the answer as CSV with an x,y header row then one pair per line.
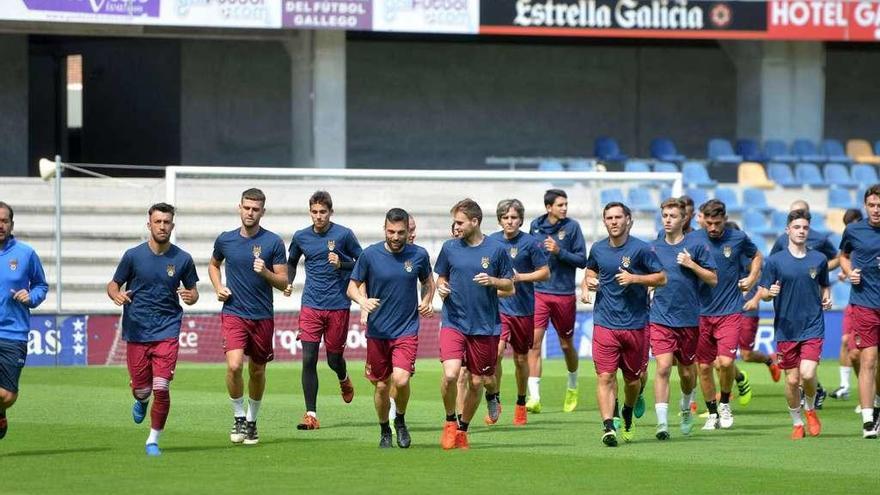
x,y
159,411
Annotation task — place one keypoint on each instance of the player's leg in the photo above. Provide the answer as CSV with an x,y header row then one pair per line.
x,y
12,358
807,370
727,334
378,371
140,376
521,340
311,328
606,356
563,312
493,395
260,351
403,360
684,359
633,364
163,360
846,366
542,319
792,387
335,337
382,402
661,393
235,341
452,354
707,354
461,389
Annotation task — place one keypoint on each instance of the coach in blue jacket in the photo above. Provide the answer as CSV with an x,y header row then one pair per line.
x,y
22,287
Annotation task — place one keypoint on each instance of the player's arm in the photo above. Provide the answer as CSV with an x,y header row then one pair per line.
x,y
826,297
578,255
190,295
443,287
277,276
853,274
539,275
37,289
426,290
752,304
223,292
503,285
751,279
833,263
359,296
657,279
116,294
707,276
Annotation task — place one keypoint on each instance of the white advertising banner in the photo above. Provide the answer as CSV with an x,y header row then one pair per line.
x,y
427,16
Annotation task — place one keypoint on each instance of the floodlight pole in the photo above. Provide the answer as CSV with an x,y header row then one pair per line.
x,y
58,167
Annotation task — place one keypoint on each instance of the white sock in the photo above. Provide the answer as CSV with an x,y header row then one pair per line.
x,y
237,407
845,372
661,408
534,383
796,418
253,409
809,402
312,414
573,379
686,400
867,415
154,436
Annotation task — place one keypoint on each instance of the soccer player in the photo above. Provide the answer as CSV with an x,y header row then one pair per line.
x,y
620,268
471,270
849,354
796,279
859,255
555,299
152,273
391,271
392,393
721,308
22,287
675,312
517,312
255,263
330,251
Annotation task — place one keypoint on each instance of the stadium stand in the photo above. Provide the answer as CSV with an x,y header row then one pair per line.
x,y
860,151
750,174
729,197
806,151
695,175
808,174
750,150
840,198
720,151
664,149
837,175
781,174
755,199
833,149
638,166
864,175
776,151
607,149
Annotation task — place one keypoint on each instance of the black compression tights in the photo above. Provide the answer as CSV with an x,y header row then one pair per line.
x,y
310,372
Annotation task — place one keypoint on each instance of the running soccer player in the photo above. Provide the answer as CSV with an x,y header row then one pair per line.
x,y
391,271
255,263
721,308
470,271
517,312
620,268
849,354
796,279
555,299
152,273
860,262
330,252
392,393
22,287
675,312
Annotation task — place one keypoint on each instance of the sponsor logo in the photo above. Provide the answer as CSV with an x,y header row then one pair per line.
x,y
721,15
813,272
257,250
170,270
408,266
727,251
114,7
513,252
561,235
625,261
13,264
626,14
485,262
331,245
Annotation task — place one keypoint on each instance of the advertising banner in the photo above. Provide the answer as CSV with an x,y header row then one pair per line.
x,y
427,16
353,15
57,341
85,11
220,13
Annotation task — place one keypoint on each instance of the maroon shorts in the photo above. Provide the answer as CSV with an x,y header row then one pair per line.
x,y
620,349
383,355
478,352
680,342
331,324
792,353
148,360
254,336
865,323
519,331
719,336
748,330
558,309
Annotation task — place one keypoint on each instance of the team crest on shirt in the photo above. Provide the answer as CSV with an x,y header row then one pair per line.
x,y
331,245
625,261
513,252
561,235
485,262
13,264
813,272
727,251
407,265
257,250
170,270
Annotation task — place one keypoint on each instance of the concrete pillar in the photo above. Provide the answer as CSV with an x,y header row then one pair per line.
x,y
14,105
780,89
318,113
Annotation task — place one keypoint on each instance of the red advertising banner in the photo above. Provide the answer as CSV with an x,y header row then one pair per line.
x,y
829,20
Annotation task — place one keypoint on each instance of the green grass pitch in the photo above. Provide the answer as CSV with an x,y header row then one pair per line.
x,y
71,432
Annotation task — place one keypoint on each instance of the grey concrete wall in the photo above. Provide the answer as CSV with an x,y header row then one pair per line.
x,y
14,105
235,103
451,104
852,91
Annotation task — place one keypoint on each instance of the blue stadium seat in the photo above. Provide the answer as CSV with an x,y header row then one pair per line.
x,y
809,175
833,149
609,195
695,175
607,149
838,175
877,147
755,224
729,197
864,175
665,193
665,167
835,239
817,222
640,199
636,166
581,166
840,295
806,151
841,198
663,149
550,166
756,200
779,220
720,150
750,150
776,151
781,174
699,196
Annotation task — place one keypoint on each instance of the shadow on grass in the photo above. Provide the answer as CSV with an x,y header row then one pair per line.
x,y
37,453
264,442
